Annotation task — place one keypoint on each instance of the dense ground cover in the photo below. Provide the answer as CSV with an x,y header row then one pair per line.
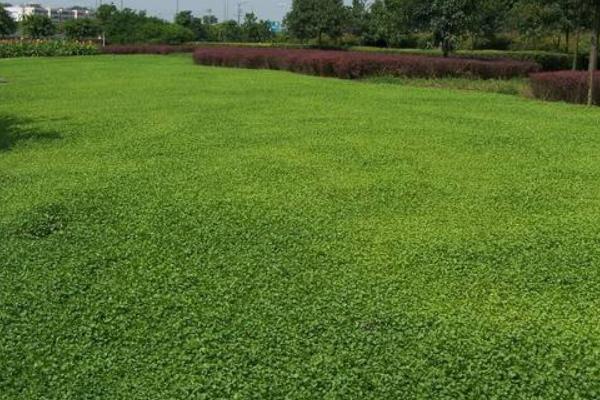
x,y
170,231
45,48
355,65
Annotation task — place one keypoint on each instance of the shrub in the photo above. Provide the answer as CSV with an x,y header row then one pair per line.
x,y
147,49
569,86
45,48
548,61
354,65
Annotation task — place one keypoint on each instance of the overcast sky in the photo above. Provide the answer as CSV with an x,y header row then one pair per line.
x,y
265,9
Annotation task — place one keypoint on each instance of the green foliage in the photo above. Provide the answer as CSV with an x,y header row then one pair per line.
x,y
310,19
255,30
129,26
549,61
450,20
196,25
38,26
45,48
210,233
7,25
82,29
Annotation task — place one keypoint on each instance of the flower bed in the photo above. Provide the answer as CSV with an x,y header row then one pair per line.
x,y
569,86
355,65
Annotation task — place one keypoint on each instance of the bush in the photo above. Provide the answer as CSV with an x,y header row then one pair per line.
x,y
45,48
354,65
148,49
569,86
548,61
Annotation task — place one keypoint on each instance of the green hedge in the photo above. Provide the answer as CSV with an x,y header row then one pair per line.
x,y
547,60
45,48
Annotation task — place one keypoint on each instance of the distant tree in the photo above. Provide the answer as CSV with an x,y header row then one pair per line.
x,y
196,25
81,29
310,19
210,20
38,26
8,26
490,18
184,18
537,19
451,19
104,15
255,30
228,31
358,19
390,20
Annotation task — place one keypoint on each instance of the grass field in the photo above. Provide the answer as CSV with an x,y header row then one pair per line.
x,y
176,231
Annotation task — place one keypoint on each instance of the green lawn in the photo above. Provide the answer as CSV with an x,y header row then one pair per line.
x,y
175,231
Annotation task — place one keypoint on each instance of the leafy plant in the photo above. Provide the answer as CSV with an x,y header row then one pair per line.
x,y
45,48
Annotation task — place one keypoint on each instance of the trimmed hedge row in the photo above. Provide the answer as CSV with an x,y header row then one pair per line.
x,y
355,65
45,48
148,49
569,86
549,61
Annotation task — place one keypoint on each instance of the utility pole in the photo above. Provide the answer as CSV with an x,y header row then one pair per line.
x,y
176,7
594,54
226,12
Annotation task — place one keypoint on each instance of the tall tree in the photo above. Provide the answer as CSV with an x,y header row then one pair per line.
x,y
255,30
187,20
310,19
8,26
38,26
451,19
81,29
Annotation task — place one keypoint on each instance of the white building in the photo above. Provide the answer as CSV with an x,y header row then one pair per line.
x,y
22,11
56,14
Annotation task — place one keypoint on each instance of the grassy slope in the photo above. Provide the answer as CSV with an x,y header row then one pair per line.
x,y
172,230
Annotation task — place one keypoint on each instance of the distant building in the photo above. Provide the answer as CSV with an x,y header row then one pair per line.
x,y
58,14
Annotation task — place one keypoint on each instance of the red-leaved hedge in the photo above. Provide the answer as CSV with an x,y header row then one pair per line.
x,y
570,86
354,65
148,49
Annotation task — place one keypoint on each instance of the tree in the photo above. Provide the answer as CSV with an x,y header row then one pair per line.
x,y
536,19
104,15
81,29
187,20
38,26
310,19
8,26
358,21
210,20
451,19
228,31
255,30
184,18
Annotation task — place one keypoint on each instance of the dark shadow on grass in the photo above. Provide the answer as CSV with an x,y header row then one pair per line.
x,y
14,130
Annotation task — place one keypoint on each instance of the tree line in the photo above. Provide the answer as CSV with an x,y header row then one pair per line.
x,y
477,24
129,26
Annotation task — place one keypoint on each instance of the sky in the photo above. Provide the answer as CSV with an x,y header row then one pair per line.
x,y
265,9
